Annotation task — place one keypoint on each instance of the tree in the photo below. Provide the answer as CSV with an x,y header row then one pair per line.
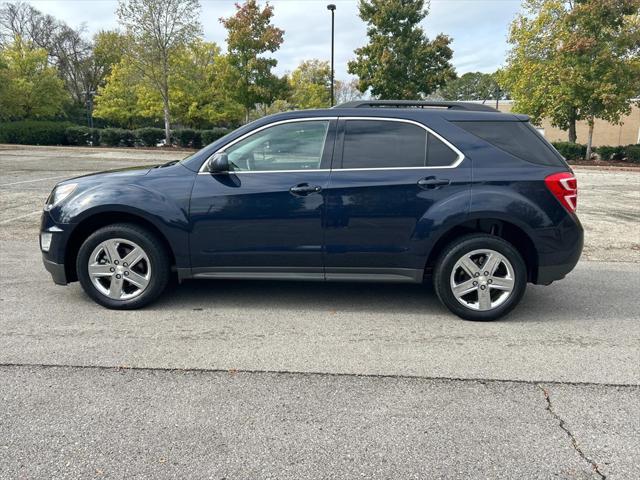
x,y
158,29
400,62
310,85
574,61
250,35
472,86
30,87
347,91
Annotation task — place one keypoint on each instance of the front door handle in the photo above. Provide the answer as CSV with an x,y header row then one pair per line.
x,y
433,182
305,189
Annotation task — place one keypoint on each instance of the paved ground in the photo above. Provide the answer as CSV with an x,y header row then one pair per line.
x,y
285,380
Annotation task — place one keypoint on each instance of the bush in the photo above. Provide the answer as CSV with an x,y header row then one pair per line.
x,y
209,136
117,137
608,153
34,132
188,138
83,136
632,153
149,136
571,151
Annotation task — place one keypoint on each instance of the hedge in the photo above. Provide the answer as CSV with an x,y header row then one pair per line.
x,y
77,135
117,137
618,153
571,151
149,136
210,136
188,138
34,132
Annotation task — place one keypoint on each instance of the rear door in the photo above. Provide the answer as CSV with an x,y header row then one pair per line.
x,y
390,185
264,218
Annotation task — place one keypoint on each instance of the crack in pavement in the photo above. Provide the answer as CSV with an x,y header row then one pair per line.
x,y
565,429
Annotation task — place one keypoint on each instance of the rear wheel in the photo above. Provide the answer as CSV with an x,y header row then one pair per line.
x,y
480,277
123,266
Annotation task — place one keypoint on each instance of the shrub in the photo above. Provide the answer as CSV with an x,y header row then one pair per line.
x,y
186,137
209,136
632,153
34,132
77,135
610,153
149,136
117,137
571,151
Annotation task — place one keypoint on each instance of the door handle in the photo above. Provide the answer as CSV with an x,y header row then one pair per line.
x,y
433,182
305,189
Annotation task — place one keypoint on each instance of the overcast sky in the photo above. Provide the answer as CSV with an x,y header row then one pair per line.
x,y
478,27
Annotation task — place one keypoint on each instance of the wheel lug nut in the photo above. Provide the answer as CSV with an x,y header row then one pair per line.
x,y
117,276
126,273
490,281
125,264
112,269
482,287
475,284
116,262
485,273
477,274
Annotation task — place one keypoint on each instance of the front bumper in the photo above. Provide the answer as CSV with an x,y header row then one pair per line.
x,y
54,258
57,271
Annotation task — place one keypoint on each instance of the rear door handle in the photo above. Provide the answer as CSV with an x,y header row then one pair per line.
x,y
433,182
305,189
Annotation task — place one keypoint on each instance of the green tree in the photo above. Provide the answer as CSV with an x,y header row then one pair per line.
x,y
574,61
250,35
400,62
472,86
310,85
30,87
158,29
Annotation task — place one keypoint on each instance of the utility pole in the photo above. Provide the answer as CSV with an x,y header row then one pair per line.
x,y
332,7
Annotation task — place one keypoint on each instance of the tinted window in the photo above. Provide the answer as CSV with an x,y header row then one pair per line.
x,y
288,146
438,153
380,144
519,139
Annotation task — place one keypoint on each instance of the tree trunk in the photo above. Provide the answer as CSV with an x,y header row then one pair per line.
x,y
589,139
167,122
573,137
246,115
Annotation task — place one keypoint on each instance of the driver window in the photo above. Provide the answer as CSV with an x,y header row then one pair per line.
x,y
288,146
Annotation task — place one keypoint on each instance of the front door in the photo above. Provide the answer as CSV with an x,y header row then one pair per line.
x,y
264,218
391,182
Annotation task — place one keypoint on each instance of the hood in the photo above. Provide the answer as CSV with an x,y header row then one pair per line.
x,y
111,174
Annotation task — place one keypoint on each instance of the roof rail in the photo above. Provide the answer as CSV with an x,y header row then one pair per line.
x,y
468,106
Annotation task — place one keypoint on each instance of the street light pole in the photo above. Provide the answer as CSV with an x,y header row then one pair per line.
x,y
332,7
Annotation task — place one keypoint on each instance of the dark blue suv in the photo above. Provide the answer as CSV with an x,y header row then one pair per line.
x,y
390,191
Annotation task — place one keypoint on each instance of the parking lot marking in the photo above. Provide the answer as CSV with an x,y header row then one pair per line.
x,y
35,180
18,218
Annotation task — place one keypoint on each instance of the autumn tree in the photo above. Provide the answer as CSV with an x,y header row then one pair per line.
x,y
574,61
158,29
250,35
400,62
310,85
472,86
31,87
347,91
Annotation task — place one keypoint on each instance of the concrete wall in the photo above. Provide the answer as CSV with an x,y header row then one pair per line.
x,y
604,133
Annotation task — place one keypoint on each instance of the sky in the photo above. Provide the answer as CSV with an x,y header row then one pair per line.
x,y
478,28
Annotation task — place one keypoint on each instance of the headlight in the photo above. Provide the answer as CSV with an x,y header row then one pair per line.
x,y
58,194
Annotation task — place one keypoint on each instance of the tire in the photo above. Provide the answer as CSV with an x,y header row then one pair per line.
x,y
102,257
503,287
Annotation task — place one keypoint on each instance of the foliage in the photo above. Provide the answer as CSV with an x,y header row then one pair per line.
x,y
472,86
30,87
117,137
574,60
78,135
188,138
310,85
157,30
608,153
632,153
149,136
34,132
400,62
570,151
210,136
346,91
250,35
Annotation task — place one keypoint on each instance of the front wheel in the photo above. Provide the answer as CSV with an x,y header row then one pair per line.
x,y
480,277
123,266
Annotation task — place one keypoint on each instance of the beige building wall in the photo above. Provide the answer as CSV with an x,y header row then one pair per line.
x,y
604,133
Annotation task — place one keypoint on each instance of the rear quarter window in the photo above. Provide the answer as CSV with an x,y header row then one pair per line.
x,y
519,139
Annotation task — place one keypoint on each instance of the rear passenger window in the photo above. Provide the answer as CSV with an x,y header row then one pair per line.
x,y
389,144
519,139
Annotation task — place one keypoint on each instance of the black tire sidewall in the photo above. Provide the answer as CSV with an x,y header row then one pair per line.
x,y
457,249
156,253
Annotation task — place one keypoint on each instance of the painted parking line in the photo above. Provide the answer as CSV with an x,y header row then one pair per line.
x,y
34,180
18,218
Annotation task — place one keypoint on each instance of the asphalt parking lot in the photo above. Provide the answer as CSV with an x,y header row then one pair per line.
x,y
224,379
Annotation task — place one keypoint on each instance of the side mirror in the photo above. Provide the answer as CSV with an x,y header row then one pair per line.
x,y
219,163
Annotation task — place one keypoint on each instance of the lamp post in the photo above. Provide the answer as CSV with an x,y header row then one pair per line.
x,y
332,7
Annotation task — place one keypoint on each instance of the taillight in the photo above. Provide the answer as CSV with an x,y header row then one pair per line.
x,y
564,187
